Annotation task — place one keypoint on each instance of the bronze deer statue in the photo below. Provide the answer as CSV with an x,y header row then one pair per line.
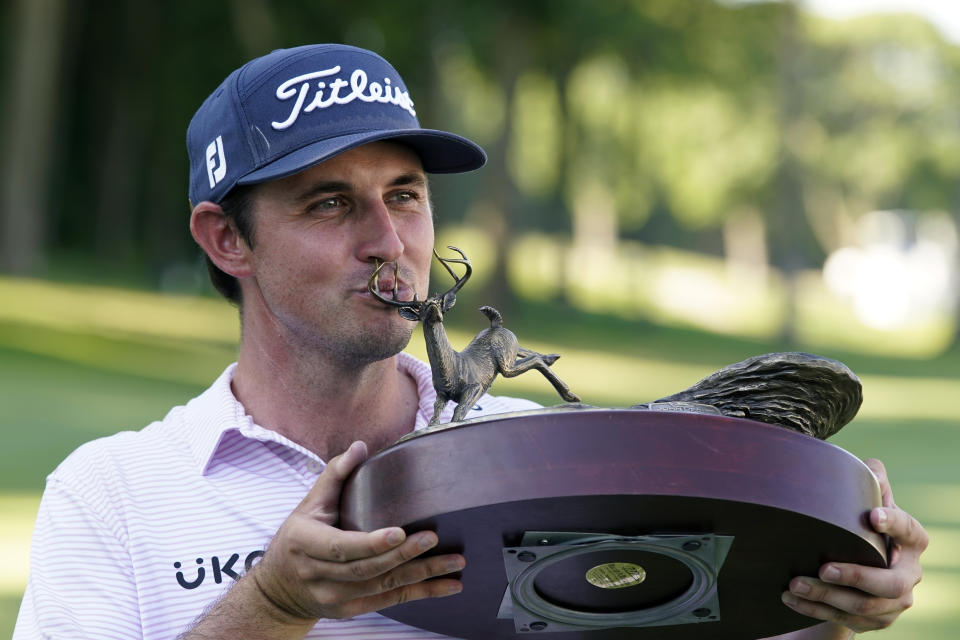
x,y
466,375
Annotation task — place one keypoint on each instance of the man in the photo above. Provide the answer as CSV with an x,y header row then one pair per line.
x,y
308,167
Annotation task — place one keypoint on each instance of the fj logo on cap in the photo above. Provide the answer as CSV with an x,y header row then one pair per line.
x,y
359,89
216,162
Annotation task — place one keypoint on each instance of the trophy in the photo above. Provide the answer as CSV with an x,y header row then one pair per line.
x,y
681,518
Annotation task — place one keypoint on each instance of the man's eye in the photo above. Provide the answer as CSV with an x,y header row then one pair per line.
x,y
326,204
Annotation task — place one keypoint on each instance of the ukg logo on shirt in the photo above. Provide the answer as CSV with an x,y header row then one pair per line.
x,y
193,577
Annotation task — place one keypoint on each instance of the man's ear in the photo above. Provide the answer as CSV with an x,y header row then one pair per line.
x,y
219,237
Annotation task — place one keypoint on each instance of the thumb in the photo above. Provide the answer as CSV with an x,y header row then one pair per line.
x,y
322,502
880,472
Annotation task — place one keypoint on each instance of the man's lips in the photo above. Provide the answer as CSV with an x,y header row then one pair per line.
x,y
388,285
384,287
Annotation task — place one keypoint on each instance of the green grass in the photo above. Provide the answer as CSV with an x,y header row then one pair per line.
x,y
67,377
9,605
51,406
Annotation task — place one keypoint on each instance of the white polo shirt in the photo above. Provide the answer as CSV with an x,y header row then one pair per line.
x,y
138,533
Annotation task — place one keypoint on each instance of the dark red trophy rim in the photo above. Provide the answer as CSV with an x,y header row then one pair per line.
x,y
791,502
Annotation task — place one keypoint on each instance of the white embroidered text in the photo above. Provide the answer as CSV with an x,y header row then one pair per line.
x,y
329,94
216,162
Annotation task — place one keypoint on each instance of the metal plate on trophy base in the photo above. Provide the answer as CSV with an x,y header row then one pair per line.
x,y
617,523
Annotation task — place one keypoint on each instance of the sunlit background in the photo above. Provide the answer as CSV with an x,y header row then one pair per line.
x,y
673,185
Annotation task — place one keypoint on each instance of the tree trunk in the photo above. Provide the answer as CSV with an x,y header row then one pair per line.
x,y
502,192
788,209
120,166
28,138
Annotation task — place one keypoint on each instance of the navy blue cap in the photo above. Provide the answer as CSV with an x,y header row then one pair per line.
x,y
294,108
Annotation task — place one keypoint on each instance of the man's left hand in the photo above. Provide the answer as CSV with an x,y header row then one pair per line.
x,y
866,598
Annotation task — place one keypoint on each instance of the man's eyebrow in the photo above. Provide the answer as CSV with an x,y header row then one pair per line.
x,y
412,178
329,186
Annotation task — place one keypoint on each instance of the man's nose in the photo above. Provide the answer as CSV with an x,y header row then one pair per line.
x,y
381,239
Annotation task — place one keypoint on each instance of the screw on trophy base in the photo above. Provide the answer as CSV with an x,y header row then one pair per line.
x,y
681,518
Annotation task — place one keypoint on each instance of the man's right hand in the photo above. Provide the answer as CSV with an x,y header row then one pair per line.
x,y
313,570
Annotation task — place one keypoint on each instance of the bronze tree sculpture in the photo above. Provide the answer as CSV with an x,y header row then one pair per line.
x,y
800,391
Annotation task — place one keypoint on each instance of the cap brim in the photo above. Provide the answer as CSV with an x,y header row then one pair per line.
x,y
439,151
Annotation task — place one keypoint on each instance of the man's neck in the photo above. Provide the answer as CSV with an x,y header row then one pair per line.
x,y
324,405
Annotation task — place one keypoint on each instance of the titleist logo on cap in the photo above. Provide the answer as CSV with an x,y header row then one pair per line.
x,y
291,109
332,93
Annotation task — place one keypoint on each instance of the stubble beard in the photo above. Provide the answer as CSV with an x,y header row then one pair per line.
x,y
351,339
356,348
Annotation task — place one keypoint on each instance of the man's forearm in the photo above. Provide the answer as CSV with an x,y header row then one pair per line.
x,y
245,612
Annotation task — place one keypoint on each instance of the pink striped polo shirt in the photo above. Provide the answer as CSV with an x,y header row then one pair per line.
x,y
138,533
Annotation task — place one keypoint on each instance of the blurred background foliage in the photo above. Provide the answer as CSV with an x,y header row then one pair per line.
x,y
755,141
673,185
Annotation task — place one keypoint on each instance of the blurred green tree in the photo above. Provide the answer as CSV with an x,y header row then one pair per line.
x,y
753,126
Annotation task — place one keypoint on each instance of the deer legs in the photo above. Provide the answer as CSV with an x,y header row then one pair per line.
x,y
438,406
468,398
541,362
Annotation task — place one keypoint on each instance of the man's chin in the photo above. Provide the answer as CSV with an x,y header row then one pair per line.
x,y
376,345
381,350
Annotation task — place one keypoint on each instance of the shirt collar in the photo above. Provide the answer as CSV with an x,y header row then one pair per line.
x,y
210,416
213,417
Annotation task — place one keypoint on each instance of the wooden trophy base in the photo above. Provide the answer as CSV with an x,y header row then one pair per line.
x,y
617,523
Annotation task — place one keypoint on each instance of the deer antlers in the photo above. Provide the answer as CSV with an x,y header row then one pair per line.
x,y
410,309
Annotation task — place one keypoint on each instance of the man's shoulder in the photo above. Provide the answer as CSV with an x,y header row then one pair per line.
x,y
121,452
162,445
